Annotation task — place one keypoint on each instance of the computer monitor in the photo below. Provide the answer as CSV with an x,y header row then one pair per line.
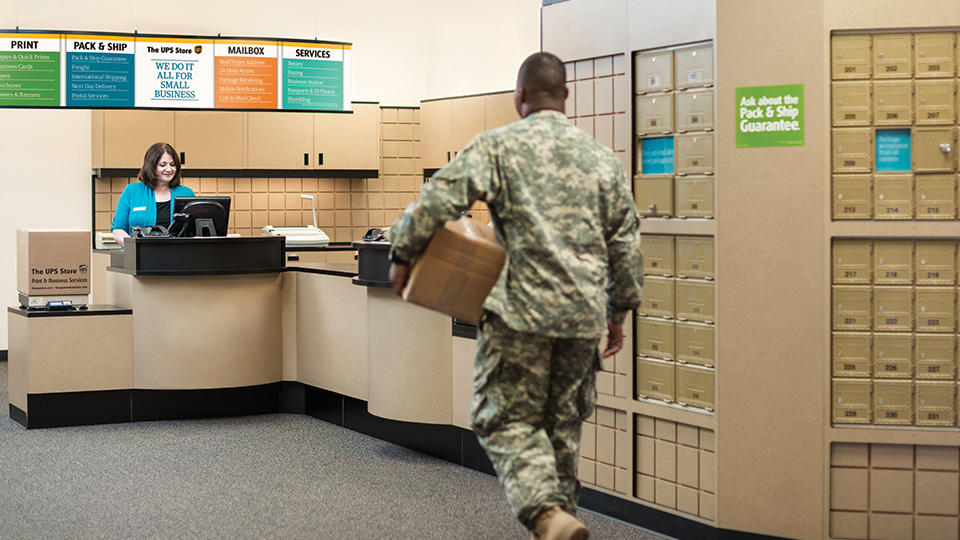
x,y
200,216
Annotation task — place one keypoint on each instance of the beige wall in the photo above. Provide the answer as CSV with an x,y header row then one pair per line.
x,y
402,53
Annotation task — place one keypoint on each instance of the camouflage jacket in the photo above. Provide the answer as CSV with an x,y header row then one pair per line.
x,y
565,216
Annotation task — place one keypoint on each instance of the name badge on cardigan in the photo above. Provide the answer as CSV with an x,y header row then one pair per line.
x,y
139,208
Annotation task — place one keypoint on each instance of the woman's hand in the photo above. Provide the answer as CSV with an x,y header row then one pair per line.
x,y
119,235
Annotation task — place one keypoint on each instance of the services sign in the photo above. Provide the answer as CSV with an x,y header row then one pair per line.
x,y
770,116
30,70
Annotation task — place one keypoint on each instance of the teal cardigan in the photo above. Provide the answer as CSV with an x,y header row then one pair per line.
x,y
138,207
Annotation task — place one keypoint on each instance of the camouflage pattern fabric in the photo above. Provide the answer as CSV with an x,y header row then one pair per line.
x,y
531,394
565,216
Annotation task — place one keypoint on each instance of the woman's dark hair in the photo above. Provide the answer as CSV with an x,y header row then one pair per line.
x,y
148,173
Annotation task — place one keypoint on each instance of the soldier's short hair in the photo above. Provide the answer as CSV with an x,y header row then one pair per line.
x,y
542,74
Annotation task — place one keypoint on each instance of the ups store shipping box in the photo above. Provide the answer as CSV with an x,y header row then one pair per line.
x,y
457,270
53,262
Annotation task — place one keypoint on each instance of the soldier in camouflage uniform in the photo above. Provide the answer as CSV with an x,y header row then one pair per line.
x,y
566,217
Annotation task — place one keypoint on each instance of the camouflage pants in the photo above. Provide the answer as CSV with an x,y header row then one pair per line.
x,y
531,394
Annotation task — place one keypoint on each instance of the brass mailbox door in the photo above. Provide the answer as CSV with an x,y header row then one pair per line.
x,y
655,338
852,150
695,110
658,297
892,56
695,386
695,344
936,262
694,153
934,150
852,103
893,103
893,355
852,196
893,309
893,262
694,66
852,355
653,72
935,356
851,307
893,402
852,401
935,54
658,255
654,195
653,114
935,102
694,196
852,58
852,261
936,196
935,309
656,379
894,194
695,301
934,403
695,257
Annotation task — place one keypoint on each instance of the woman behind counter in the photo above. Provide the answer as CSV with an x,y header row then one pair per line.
x,y
150,202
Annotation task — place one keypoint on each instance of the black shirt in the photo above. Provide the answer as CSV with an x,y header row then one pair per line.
x,y
163,214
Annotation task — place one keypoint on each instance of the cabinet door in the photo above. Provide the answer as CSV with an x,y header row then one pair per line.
x,y
499,110
209,140
347,141
435,133
127,134
467,119
279,140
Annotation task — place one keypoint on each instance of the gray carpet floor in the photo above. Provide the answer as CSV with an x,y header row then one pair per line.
x,y
270,476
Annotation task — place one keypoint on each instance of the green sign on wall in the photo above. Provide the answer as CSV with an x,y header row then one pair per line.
x,y
770,116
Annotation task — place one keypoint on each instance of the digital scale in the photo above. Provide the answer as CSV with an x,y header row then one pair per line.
x,y
308,236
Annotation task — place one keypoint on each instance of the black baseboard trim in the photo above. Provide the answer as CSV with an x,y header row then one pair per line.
x,y
18,415
440,441
3,355
149,405
76,408
292,398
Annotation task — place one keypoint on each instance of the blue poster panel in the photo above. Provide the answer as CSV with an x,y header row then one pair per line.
x,y
893,150
657,156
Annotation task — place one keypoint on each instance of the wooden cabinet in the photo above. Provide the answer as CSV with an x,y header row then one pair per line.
x,y
128,133
447,125
209,139
279,140
347,141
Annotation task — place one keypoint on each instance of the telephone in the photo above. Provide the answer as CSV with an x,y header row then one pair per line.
x,y
151,231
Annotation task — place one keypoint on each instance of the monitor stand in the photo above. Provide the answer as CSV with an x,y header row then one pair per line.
x,y
204,227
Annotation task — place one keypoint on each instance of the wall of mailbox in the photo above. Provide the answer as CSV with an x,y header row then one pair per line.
x,y
894,118
894,324
675,325
674,132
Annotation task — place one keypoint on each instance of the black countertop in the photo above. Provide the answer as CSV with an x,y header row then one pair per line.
x,y
93,309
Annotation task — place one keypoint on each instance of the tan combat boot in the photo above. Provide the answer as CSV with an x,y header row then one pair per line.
x,y
555,524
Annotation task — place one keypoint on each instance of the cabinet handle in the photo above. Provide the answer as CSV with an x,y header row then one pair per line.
x,y
183,158
448,155
320,158
306,159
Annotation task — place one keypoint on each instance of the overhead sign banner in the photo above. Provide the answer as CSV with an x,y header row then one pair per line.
x,y
100,70
245,74
770,116
174,73
313,76
30,70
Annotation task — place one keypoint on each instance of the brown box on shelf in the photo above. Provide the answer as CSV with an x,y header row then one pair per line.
x,y
457,270
53,262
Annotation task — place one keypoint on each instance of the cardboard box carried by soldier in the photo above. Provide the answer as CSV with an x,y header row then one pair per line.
x,y
53,262
456,271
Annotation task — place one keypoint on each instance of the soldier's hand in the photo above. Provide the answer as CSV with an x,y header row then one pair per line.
x,y
614,339
398,276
